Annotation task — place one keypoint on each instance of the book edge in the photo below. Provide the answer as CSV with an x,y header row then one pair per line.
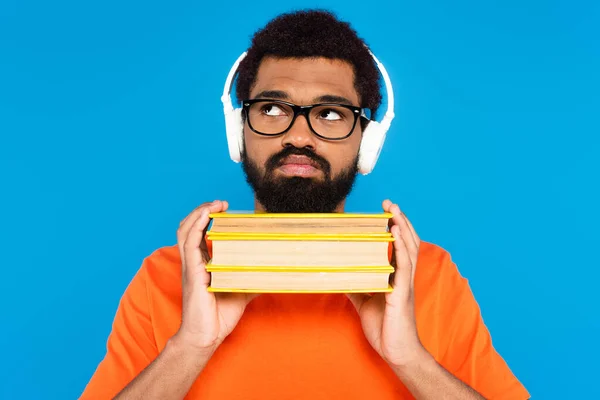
x,y
284,291
299,215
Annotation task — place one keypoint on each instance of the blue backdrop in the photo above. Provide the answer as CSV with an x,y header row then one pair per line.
x,y
112,132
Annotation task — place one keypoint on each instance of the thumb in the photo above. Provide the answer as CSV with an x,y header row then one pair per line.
x,y
250,297
358,299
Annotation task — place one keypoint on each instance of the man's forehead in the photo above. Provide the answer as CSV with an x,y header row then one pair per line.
x,y
305,78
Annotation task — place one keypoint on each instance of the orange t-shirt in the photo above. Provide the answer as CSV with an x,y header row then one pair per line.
x,y
303,346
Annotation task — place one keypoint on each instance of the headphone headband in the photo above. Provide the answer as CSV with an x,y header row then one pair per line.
x,y
389,113
226,97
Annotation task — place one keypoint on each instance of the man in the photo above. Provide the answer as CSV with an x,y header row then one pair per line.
x,y
172,338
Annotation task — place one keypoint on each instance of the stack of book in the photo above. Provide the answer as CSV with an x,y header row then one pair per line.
x,y
299,253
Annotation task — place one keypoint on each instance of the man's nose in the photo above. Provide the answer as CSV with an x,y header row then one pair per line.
x,y
299,135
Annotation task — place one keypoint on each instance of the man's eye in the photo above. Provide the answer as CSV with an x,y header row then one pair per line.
x,y
330,115
272,110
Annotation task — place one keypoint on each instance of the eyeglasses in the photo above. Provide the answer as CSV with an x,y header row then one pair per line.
x,y
330,121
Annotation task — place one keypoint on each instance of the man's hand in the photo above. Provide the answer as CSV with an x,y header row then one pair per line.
x,y
207,318
388,320
389,323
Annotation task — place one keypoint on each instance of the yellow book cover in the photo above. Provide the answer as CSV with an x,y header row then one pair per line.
x,y
337,237
287,226
284,291
210,267
252,214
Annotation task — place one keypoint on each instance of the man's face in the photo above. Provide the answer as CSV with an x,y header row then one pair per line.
x,y
297,171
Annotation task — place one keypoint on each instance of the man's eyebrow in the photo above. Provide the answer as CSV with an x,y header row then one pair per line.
x,y
272,94
281,95
330,98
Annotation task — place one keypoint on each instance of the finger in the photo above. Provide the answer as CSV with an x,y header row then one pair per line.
x,y
193,263
194,252
188,222
358,299
394,209
386,204
416,254
195,212
251,296
236,298
413,258
412,230
185,225
401,221
404,267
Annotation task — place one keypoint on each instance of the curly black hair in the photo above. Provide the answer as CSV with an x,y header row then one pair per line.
x,y
312,33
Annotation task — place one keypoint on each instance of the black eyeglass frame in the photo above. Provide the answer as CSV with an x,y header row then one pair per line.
x,y
358,112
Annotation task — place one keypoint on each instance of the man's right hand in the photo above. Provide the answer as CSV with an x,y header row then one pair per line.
x,y
207,318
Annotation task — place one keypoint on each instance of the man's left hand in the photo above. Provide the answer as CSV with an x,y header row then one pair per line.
x,y
388,319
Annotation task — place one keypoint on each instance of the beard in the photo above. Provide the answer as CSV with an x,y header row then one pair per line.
x,y
281,194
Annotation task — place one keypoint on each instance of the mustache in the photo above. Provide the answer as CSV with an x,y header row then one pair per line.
x,y
276,159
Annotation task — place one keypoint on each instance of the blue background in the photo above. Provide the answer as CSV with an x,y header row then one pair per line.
x,y
112,132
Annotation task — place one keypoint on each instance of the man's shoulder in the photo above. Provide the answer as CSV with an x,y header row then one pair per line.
x,y
164,256
435,268
432,251
434,258
162,269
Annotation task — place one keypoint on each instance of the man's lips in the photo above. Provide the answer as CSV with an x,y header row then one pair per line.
x,y
299,160
297,165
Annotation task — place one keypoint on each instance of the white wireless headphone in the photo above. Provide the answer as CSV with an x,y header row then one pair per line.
x,y
371,143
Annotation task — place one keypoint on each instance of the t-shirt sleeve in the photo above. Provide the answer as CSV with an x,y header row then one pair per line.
x,y
130,346
470,355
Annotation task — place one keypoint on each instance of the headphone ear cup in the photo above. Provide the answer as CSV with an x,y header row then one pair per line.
x,y
234,128
370,147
